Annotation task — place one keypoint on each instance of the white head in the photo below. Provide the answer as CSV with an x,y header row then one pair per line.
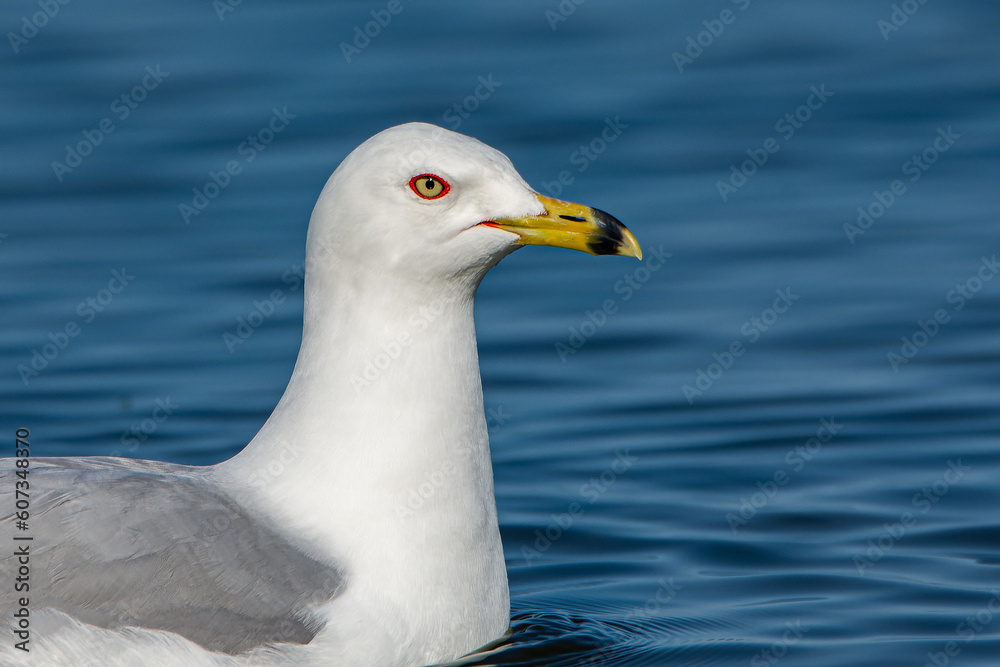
x,y
428,204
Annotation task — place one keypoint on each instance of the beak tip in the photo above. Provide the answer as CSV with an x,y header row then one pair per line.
x,y
628,245
617,237
631,245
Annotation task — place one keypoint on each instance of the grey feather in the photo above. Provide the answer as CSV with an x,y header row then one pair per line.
x,y
118,542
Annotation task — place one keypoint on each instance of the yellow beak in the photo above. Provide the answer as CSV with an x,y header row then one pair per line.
x,y
574,226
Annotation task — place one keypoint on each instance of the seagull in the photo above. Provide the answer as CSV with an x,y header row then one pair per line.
x,y
307,548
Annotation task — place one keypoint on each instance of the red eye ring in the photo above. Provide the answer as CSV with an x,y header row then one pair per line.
x,y
429,186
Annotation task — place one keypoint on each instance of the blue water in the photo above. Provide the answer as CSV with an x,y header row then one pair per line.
x,y
779,444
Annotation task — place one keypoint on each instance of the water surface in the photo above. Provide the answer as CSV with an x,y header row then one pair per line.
x,y
774,440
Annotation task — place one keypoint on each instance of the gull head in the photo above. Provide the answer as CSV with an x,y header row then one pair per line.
x,y
425,204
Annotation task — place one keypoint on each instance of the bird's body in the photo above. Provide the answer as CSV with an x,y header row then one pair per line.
x,y
307,548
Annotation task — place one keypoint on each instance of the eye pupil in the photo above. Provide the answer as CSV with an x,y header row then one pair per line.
x,y
429,186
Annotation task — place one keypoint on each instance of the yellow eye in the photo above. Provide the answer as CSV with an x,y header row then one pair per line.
x,y
429,186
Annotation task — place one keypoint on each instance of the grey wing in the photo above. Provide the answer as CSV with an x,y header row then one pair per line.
x,y
117,542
